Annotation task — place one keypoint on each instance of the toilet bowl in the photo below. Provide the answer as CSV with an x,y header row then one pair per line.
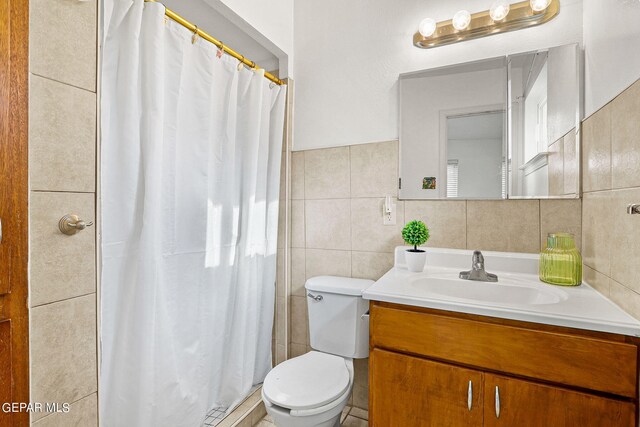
x,y
308,390
312,390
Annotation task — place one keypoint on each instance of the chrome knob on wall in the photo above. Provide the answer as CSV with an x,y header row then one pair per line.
x,y
633,209
70,224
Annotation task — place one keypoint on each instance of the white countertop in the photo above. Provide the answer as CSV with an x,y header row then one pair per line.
x,y
438,287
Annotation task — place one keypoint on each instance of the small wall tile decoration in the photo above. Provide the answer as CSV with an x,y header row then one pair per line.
x,y
429,183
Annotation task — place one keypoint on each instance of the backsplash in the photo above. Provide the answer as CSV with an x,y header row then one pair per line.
x,y
611,181
336,225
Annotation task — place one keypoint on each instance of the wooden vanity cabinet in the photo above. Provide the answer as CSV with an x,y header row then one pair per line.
x,y
436,368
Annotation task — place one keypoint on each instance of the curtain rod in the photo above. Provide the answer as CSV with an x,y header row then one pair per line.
x,y
194,29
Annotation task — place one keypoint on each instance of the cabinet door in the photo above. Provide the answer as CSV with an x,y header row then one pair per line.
x,y
511,402
409,391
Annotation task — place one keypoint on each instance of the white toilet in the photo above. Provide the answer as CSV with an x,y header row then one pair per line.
x,y
313,389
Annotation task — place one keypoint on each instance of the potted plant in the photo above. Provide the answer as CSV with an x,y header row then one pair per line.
x,y
415,233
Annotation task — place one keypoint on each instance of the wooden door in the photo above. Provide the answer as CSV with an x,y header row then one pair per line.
x,y
409,391
527,404
14,315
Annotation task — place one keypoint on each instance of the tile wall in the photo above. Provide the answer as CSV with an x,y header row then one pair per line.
x,y
62,165
611,181
336,225
563,169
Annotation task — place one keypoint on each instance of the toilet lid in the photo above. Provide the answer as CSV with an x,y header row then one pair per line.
x,y
307,381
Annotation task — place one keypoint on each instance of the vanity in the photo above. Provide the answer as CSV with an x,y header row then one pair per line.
x,y
451,352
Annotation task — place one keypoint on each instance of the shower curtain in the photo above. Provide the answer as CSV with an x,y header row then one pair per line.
x,y
191,153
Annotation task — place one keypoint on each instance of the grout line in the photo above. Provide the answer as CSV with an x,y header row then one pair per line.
x,y
63,300
65,83
63,191
70,403
634,187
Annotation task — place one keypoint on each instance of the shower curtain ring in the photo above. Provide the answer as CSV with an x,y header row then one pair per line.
x,y
195,35
241,63
220,50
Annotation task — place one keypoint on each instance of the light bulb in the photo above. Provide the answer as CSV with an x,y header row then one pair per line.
x,y
427,27
499,10
461,20
539,5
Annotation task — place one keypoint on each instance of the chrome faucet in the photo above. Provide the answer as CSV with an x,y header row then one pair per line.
x,y
477,271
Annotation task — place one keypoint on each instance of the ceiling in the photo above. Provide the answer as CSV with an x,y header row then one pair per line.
x,y
212,22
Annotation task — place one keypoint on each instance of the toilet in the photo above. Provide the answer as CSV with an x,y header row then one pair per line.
x,y
313,389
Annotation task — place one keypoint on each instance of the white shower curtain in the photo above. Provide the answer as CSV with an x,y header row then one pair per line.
x,y
191,153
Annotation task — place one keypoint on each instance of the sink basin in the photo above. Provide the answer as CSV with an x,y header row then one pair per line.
x,y
518,295
504,292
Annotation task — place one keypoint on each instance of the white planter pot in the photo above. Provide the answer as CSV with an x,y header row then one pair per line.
x,y
415,260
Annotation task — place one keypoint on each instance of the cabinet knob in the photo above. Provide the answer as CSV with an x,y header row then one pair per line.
x,y
470,395
497,402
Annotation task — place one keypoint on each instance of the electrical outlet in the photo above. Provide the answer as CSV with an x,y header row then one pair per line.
x,y
389,218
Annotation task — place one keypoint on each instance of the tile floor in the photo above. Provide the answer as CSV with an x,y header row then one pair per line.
x,y
214,417
351,417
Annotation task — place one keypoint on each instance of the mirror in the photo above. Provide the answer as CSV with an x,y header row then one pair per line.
x,y
544,100
492,129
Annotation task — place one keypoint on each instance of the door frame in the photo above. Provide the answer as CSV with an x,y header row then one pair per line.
x,y
14,194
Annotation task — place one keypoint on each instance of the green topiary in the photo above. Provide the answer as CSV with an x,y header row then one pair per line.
x,y
415,233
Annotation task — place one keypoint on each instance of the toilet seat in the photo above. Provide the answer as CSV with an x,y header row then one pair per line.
x,y
308,381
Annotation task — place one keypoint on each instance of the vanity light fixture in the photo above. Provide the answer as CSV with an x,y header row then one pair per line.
x,y
461,20
539,5
501,18
427,27
499,10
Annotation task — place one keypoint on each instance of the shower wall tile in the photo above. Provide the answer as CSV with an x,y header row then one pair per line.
x,y
374,169
63,351
328,224
61,266
564,216
62,137
82,413
326,173
596,147
625,134
508,226
368,233
446,219
63,41
62,175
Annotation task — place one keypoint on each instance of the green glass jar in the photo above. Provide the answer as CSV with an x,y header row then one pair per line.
x,y
561,262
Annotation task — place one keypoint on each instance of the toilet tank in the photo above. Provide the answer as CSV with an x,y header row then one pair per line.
x,y
338,315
